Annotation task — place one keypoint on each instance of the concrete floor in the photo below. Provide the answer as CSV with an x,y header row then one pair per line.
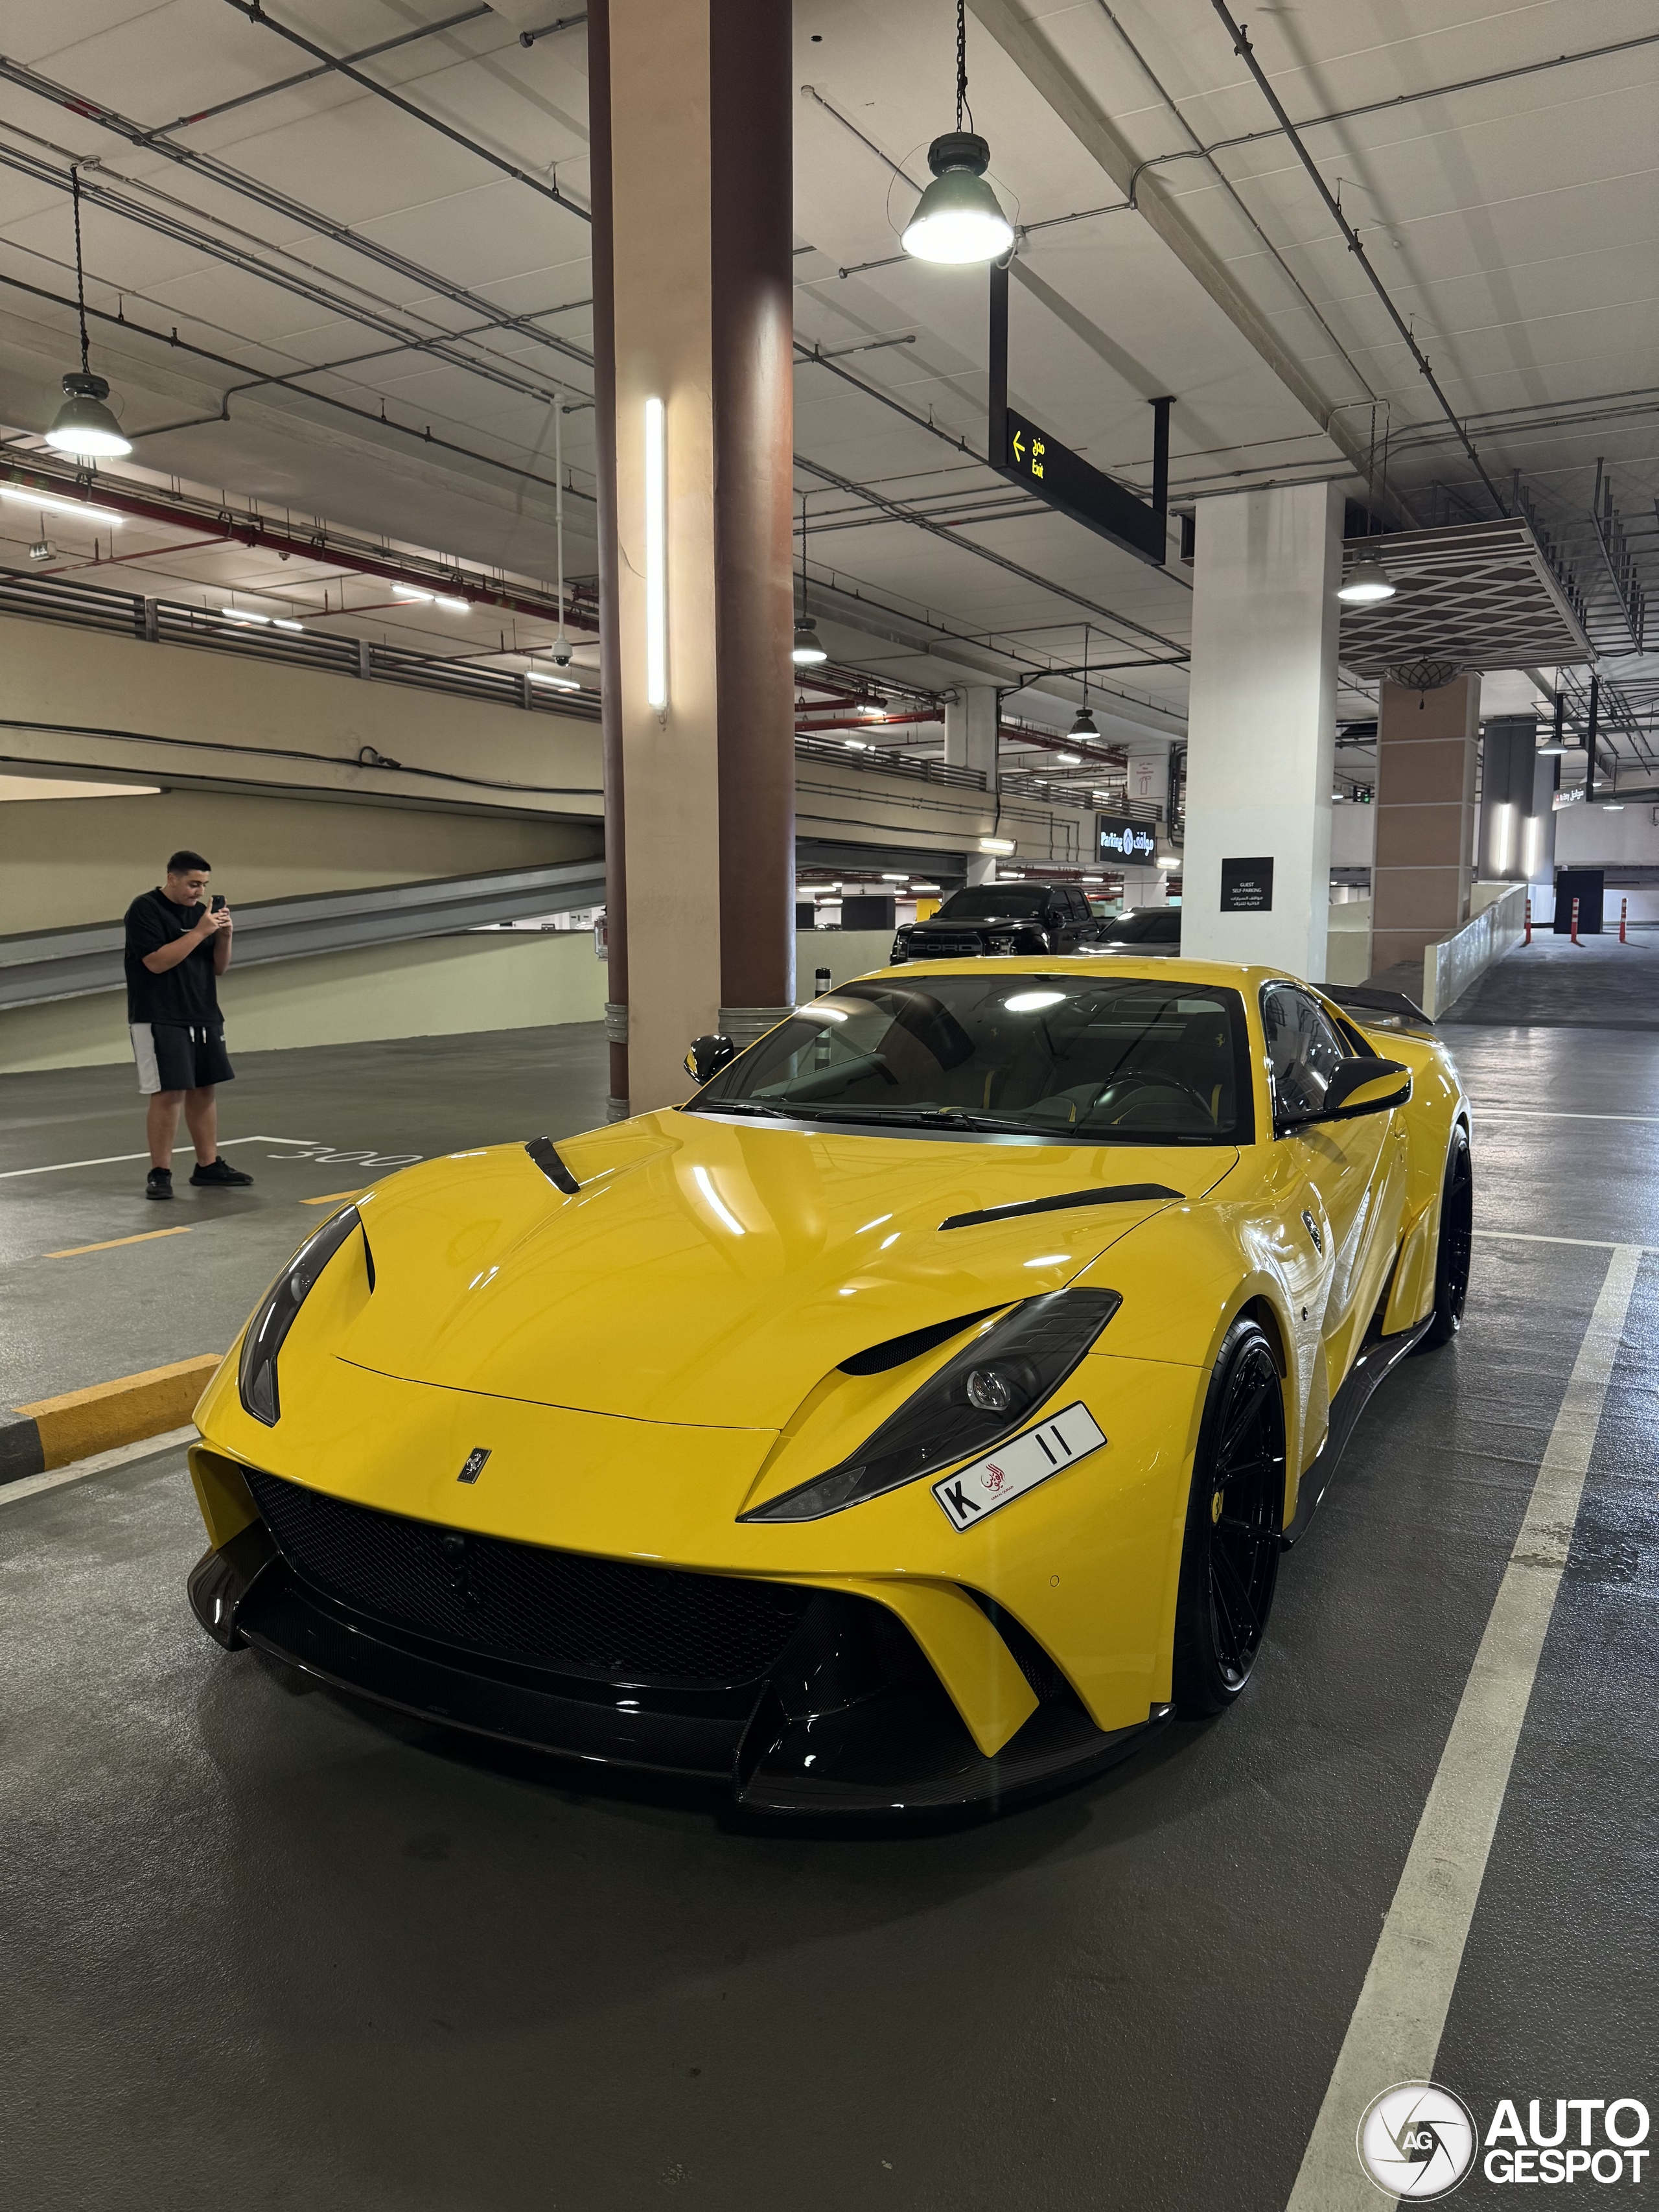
x,y
268,1947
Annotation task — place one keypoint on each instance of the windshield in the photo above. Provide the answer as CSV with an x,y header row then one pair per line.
x,y
994,903
1136,1062
1152,925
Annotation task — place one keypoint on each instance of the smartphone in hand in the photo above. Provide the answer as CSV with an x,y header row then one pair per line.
x,y
218,903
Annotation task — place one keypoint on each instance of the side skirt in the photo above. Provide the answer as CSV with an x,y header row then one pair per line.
x,y
1380,1356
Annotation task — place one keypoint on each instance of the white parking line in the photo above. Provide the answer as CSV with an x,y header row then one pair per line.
x,y
109,1160
1394,2033
30,1486
1560,1114
1588,1243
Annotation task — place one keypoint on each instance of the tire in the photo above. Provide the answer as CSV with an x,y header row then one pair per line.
x,y
1230,1556
1451,1261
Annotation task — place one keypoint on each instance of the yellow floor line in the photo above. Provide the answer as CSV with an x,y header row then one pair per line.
x,y
333,1198
147,1236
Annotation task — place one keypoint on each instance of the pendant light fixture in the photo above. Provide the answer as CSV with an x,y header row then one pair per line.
x,y
1366,582
1083,726
807,652
959,219
83,426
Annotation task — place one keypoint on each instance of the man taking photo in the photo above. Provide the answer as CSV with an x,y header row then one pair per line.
x,y
178,946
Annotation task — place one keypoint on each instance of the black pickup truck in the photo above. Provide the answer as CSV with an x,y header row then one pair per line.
x,y
1018,918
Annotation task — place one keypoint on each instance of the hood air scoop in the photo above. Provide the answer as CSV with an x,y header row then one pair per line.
x,y
879,1358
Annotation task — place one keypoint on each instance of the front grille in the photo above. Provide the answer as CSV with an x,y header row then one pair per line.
x,y
525,1602
946,948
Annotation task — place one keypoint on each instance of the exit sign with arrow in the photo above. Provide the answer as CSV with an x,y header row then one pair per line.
x,y
1027,454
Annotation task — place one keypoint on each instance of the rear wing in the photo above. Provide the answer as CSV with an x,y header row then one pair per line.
x,y
1387,1009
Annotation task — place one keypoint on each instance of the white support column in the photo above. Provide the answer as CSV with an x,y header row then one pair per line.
x,y
971,740
1262,722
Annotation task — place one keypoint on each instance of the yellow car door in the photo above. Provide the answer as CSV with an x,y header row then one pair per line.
x,y
1355,1168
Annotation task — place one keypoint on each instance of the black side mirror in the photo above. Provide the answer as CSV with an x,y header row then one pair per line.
x,y
707,1055
1359,1084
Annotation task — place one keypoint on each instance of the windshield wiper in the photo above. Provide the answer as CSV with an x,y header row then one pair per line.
x,y
738,1106
926,1118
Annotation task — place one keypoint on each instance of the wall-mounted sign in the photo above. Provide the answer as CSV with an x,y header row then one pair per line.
x,y
1117,837
1247,886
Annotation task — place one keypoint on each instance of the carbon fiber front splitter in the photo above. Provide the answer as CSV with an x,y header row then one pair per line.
x,y
851,1720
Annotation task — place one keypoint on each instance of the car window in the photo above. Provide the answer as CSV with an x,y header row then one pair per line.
x,y
1304,1049
1098,1062
994,903
1165,929
1131,928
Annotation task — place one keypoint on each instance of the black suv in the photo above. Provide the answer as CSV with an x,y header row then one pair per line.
x,y
1148,932
1020,918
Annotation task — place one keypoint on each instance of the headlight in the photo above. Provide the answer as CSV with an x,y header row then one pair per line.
x,y
974,1401
256,1377
1002,943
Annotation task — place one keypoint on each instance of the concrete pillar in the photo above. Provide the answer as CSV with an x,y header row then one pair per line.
x,y
1261,728
1512,831
971,730
1424,817
972,738
691,124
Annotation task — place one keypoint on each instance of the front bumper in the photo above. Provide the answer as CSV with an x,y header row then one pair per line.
x,y
798,1701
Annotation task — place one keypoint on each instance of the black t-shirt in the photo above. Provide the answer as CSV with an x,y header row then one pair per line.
x,y
184,997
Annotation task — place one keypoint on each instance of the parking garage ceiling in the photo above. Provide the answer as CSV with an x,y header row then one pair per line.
x,y
337,267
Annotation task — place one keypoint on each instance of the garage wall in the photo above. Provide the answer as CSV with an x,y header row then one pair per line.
x,y
507,979
71,861
437,987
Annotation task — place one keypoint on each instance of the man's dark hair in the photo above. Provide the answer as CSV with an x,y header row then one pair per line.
x,y
182,863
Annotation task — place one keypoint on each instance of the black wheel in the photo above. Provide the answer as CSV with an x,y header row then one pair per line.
x,y
1230,1559
1451,1264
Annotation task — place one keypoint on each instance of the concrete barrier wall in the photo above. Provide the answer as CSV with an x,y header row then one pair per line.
x,y
439,986
1459,960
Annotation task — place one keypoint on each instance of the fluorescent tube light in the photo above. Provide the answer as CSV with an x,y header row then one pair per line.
x,y
656,559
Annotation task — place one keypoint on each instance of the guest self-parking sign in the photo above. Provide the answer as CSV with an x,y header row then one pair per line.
x,y
1247,886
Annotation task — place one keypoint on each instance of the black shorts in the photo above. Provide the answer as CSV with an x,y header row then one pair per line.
x,y
171,1058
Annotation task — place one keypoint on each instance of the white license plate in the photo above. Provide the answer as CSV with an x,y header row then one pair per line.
x,y
1023,1462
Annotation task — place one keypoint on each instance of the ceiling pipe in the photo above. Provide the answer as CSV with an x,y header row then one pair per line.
x,y
313,292
288,383
276,203
317,546
255,14
1246,54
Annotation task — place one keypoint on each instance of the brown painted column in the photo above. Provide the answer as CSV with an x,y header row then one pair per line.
x,y
605,462
695,140
1426,754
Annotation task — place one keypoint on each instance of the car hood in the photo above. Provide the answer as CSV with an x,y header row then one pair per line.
x,y
712,1272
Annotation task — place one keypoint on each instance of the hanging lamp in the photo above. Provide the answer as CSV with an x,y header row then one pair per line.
x,y
1366,582
959,219
807,650
83,426
1083,725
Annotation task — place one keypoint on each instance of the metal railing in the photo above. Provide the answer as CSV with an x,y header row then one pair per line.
x,y
72,963
888,761
174,622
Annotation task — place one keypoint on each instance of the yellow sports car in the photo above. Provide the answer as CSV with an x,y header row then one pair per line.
x,y
914,1416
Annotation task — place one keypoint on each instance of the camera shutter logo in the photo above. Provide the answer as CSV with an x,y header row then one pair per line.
x,y
1417,2142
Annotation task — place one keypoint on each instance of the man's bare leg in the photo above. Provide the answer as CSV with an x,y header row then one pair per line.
x,y
202,1119
161,1125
